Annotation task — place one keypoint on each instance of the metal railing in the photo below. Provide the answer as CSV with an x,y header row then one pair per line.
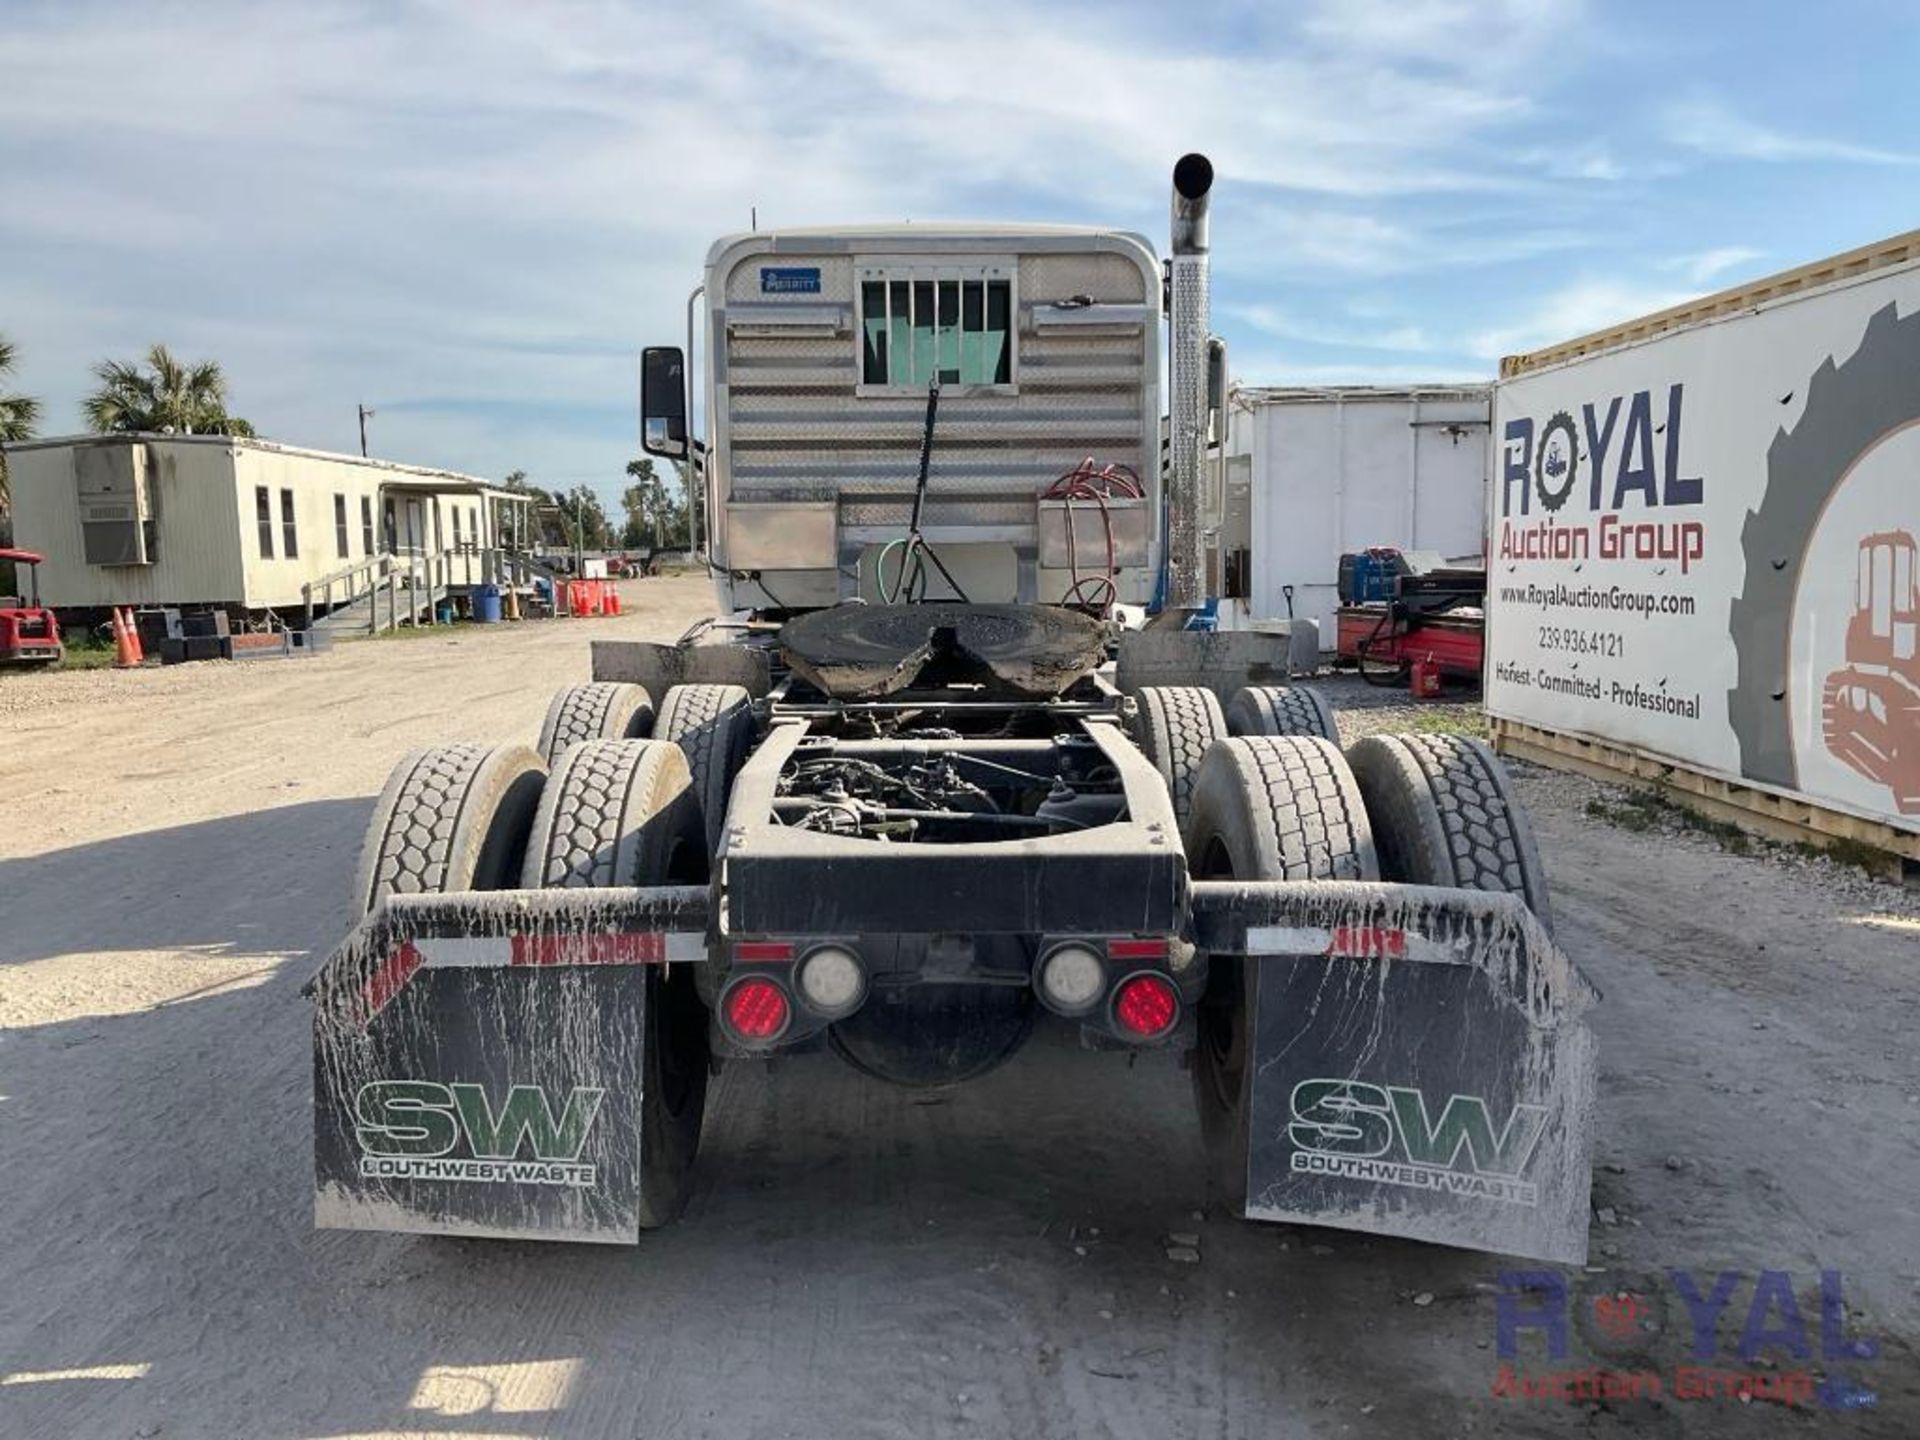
x,y
407,586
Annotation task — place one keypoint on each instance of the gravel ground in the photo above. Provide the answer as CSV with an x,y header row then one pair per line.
x,y
857,1260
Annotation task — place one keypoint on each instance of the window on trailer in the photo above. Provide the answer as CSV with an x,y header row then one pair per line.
x,y
341,540
950,324
263,514
289,532
366,524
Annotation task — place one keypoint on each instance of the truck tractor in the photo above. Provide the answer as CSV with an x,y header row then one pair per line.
x,y
1870,711
949,767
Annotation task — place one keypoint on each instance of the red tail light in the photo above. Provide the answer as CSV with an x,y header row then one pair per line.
x,y
756,1009
1146,1006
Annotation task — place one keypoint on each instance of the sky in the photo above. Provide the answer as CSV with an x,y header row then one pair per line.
x,y
470,216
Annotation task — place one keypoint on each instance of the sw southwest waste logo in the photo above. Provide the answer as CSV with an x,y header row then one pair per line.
x,y
1386,1135
415,1129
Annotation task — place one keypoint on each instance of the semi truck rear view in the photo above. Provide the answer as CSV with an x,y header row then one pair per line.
x,y
929,784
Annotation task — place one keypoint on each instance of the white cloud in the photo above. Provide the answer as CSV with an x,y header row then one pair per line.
x,y
1594,160
1357,242
1491,34
1578,309
471,214
1706,266
1271,320
1709,126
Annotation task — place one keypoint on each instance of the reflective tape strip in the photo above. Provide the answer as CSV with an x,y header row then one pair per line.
x,y
1357,942
502,952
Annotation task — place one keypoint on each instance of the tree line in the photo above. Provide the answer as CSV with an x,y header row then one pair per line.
x,y
159,394
653,513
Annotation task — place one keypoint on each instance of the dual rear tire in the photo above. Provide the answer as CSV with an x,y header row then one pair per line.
x,y
612,812
1417,809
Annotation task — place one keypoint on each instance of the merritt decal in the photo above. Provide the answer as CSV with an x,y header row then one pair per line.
x,y
1350,1130
412,1129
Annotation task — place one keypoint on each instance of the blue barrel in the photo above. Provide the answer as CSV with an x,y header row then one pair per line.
x,y
486,604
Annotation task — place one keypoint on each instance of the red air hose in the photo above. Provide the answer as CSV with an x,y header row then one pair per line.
x,y
1094,594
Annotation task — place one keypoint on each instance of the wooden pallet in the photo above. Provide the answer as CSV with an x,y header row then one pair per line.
x,y
1764,812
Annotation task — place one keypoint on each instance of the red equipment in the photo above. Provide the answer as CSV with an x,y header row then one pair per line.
x,y
1375,638
1870,711
1411,616
29,633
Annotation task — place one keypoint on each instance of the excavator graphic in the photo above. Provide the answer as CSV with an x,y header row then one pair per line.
x,y
1870,711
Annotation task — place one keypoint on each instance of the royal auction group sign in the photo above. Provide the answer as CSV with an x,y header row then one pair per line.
x,y
1703,546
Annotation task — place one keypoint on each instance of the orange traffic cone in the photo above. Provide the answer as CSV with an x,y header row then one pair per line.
x,y
126,642
133,639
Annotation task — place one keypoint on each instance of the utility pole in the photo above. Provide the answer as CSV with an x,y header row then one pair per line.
x,y
365,415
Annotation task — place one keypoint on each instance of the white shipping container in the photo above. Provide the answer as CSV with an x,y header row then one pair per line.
x,y
1334,471
1704,536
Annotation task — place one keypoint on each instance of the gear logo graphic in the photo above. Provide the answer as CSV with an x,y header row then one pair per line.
x,y
1557,461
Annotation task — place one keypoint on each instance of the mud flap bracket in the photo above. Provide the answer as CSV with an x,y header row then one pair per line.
x,y
1416,1063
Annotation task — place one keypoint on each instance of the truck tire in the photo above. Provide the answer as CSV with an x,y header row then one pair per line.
x,y
604,710
1279,807
1175,726
616,812
454,817
713,725
622,812
1267,807
1281,710
1444,813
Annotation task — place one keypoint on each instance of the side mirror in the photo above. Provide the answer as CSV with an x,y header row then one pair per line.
x,y
663,402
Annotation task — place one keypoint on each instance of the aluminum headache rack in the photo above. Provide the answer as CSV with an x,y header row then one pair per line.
x,y
1417,1063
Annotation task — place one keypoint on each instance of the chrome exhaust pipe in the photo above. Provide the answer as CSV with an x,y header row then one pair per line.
x,y
1187,381
1192,186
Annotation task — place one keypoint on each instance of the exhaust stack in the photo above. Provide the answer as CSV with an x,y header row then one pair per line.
x,y
1187,401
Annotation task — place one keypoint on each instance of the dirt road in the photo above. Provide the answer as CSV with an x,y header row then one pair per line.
x,y
857,1261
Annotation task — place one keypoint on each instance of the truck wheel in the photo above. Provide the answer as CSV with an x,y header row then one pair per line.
x,y
454,817
622,812
713,724
616,812
1267,807
604,710
1444,813
1175,727
1281,710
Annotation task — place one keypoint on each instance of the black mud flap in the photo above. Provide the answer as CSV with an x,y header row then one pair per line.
x,y
477,1061
1417,1064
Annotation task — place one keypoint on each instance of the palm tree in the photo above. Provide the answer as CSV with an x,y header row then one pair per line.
x,y
18,415
169,396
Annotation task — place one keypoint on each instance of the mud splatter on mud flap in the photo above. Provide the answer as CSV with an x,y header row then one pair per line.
x,y
478,1061
1418,1064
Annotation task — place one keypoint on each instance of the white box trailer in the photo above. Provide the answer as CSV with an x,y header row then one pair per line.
x,y
1704,547
219,520
1315,473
